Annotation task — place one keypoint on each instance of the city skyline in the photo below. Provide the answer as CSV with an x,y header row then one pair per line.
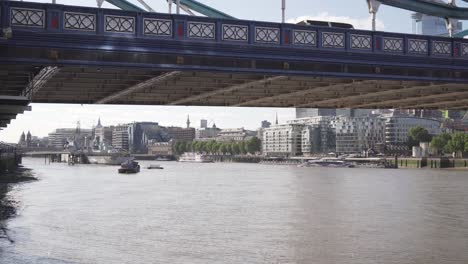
x,y
67,116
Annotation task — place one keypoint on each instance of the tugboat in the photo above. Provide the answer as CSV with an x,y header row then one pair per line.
x,y
129,167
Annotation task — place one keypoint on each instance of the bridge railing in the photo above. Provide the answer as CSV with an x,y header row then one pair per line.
x,y
60,19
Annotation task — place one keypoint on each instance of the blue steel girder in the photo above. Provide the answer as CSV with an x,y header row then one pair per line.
x,y
55,35
429,8
204,9
194,5
125,5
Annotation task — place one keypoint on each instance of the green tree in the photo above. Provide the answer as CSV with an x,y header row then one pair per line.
x,y
439,142
236,148
224,148
456,144
211,146
242,147
417,135
253,145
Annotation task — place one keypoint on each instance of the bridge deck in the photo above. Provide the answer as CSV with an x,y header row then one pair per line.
x,y
89,55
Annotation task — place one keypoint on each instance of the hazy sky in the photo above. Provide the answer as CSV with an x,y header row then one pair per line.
x,y
46,117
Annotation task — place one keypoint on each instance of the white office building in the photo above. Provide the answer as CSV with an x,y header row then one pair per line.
x,y
358,134
318,134
283,140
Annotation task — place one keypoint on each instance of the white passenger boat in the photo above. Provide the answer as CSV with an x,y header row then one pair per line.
x,y
328,162
194,157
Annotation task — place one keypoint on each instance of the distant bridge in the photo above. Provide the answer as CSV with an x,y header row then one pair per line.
x,y
67,54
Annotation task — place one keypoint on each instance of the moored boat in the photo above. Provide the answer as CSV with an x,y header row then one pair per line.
x,y
328,162
129,167
195,157
154,167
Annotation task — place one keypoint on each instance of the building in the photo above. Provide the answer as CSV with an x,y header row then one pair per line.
x,y
160,148
27,141
203,123
397,128
102,136
120,137
265,124
181,134
347,112
318,135
61,136
235,134
433,26
207,133
358,134
283,140
140,133
313,112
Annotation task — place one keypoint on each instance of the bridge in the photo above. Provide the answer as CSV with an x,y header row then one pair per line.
x,y
67,54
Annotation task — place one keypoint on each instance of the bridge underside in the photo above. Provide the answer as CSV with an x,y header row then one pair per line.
x,y
112,85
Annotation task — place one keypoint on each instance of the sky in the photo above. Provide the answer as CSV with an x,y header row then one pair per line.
x,y
44,118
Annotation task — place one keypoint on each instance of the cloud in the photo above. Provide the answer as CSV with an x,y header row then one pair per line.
x,y
359,23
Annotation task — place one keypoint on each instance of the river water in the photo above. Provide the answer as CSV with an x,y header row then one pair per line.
x,y
238,213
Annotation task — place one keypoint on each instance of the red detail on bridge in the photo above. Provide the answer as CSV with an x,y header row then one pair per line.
x,y
377,43
456,50
54,22
180,30
286,38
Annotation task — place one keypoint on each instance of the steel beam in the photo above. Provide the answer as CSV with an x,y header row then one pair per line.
x,y
125,5
227,90
343,83
14,109
203,9
418,100
363,95
40,80
452,104
145,84
394,97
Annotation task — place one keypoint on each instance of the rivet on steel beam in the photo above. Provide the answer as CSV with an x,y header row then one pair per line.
x,y
180,60
286,66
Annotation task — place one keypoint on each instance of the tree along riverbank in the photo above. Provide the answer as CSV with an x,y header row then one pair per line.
x,y
7,206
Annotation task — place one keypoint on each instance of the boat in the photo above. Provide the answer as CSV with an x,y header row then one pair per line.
x,y
108,158
194,157
129,167
154,167
328,162
164,159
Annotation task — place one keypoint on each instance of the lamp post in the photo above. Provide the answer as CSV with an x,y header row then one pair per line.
x,y
283,10
373,6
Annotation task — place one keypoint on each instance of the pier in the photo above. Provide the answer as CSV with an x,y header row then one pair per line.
x,y
9,157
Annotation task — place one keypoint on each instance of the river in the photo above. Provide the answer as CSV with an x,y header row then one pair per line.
x,y
238,213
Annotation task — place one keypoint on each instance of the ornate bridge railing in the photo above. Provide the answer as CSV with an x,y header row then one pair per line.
x,y
51,18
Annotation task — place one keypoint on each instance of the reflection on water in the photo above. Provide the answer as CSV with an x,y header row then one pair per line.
x,y
238,213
